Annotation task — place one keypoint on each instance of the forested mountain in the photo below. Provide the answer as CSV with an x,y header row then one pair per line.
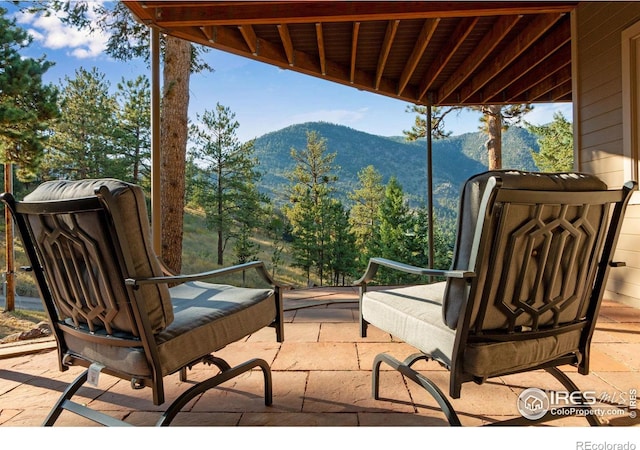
x,y
454,159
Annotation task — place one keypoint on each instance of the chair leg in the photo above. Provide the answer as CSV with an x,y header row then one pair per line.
x,y
65,403
405,369
583,409
66,395
216,380
571,387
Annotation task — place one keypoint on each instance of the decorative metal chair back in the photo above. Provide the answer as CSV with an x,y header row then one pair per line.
x,y
532,256
110,303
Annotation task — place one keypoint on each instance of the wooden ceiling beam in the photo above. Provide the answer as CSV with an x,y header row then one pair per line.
x,y
287,43
531,33
539,54
250,38
462,31
547,68
229,39
560,93
426,33
209,33
485,71
498,31
321,55
198,13
546,82
354,50
392,28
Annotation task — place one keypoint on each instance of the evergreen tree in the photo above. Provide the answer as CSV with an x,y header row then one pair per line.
x,y
276,228
556,145
343,253
364,219
134,124
304,246
419,128
83,143
419,244
228,185
129,39
248,214
395,230
310,192
27,106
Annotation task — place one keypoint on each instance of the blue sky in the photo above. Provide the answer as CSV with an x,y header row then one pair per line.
x,y
264,98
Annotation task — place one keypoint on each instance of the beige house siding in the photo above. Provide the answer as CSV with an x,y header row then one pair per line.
x,y
598,121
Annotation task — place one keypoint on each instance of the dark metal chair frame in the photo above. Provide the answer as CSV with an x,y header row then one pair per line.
x,y
63,214
481,280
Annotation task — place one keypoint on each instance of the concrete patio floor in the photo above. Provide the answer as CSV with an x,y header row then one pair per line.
x,y
322,377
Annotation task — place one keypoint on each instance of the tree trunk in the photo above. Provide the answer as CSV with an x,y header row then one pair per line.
x,y
173,142
494,132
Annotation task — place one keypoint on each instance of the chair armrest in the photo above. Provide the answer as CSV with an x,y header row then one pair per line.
x,y
374,263
178,279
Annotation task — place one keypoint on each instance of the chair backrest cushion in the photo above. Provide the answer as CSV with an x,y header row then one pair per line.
x,y
470,201
132,212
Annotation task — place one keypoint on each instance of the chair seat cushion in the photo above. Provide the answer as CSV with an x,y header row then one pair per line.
x,y
488,359
209,316
206,318
414,315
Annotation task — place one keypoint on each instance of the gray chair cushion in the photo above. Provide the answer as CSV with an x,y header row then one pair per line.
x,y
128,197
207,318
468,217
489,359
412,314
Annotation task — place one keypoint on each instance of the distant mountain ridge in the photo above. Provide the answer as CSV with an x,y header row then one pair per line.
x,y
454,159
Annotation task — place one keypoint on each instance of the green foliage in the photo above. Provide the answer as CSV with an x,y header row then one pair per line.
x,y
321,241
364,219
394,230
225,185
342,249
84,140
455,159
419,128
556,145
134,127
27,107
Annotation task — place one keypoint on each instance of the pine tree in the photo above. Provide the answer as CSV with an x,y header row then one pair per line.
x,y
394,228
343,253
556,145
84,141
228,185
305,244
27,106
129,39
310,192
364,219
134,125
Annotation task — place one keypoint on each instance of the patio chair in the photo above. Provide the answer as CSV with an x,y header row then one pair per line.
x,y
114,310
532,255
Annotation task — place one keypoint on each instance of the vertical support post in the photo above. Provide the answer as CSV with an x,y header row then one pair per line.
x,y
156,231
10,276
430,186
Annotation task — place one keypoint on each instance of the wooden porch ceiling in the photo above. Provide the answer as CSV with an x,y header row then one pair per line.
x,y
442,53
